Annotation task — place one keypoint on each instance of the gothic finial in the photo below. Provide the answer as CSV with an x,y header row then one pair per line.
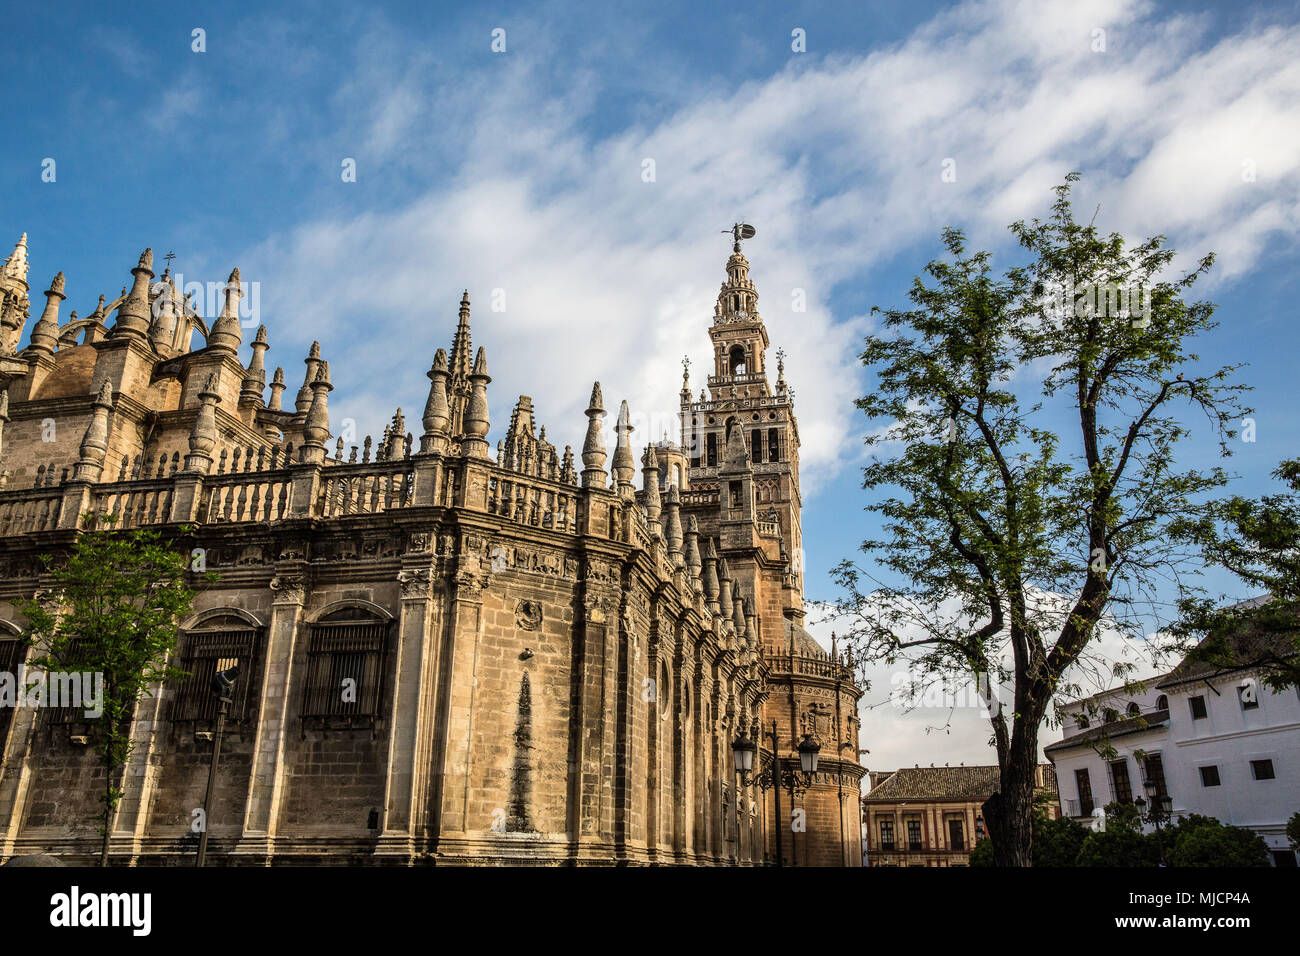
x,y
593,448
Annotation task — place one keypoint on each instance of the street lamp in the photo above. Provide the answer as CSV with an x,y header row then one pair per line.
x,y
776,776
1161,805
223,682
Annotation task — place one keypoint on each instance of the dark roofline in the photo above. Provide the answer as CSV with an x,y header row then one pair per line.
x,y
1116,728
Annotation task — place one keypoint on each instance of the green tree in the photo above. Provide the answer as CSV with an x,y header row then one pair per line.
x,y
1117,846
1058,842
1256,540
1012,542
113,609
1123,816
1203,841
981,854
1293,830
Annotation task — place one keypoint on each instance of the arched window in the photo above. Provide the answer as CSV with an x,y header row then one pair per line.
x,y
1133,709
677,475
757,438
12,651
736,359
1162,702
773,445
346,654
218,641
711,449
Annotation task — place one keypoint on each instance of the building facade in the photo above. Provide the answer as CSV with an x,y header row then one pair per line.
x,y
932,816
1216,741
547,660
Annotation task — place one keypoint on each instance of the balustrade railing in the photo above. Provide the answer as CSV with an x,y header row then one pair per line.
x,y
534,502
365,489
809,665
32,509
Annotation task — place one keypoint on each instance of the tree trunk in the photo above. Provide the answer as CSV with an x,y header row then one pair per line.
x,y
108,813
1008,814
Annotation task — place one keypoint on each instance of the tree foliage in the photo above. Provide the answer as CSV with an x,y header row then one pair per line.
x,y
1197,840
1013,536
113,609
1259,541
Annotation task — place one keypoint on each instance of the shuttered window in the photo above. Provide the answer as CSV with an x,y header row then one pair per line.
x,y
345,666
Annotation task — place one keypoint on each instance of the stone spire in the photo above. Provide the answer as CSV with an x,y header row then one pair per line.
x,y
15,266
277,387
724,590
437,412
650,485
593,449
203,436
738,615
45,333
474,442
316,427
303,402
250,392
225,333
461,348
693,563
624,464
711,588
133,313
673,525
94,444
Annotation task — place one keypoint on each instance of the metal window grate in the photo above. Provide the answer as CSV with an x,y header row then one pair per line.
x,y
12,651
203,653
343,656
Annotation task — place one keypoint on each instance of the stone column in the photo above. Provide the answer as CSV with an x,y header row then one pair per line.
x,y
456,680
266,781
412,721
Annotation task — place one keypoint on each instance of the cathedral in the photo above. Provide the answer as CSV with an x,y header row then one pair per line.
x,y
451,650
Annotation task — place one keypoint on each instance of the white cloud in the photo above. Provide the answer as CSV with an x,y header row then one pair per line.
x,y
838,164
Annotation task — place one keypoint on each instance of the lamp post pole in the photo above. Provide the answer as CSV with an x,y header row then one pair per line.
x,y
777,819
774,777
222,684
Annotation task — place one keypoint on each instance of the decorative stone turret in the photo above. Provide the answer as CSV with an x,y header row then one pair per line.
x,y
316,426
94,444
45,333
15,267
203,436
397,437
303,402
277,389
474,442
673,525
712,589
250,392
568,474
624,464
724,590
650,485
133,317
738,615
693,563
225,332
593,448
437,411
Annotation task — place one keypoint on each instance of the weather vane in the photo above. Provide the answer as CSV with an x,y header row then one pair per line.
x,y
741,230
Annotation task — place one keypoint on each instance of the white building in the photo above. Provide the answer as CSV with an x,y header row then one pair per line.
x,y
1215,740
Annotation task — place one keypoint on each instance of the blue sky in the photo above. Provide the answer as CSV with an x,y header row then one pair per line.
x,y
519,174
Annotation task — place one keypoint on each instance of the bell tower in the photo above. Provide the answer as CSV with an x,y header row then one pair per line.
x,y
742,405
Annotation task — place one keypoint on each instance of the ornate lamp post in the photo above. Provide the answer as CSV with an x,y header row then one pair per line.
x,y
223,683
774,777
1161,809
